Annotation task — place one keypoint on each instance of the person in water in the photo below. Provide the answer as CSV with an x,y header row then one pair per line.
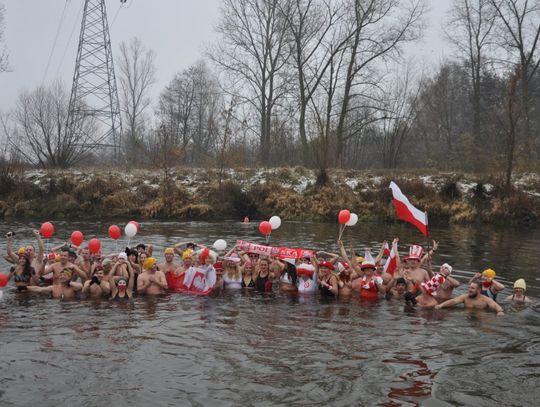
x,y
168,266
151,281
62,288
397,288
97,286
23,273
473,299
328,282
264,278
519,297
122,287
490,287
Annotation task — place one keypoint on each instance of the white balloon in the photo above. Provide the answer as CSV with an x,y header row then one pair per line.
x,y
275,221
220,245
131,230
353,220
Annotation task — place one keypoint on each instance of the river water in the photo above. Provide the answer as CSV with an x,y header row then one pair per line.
x,y
272,349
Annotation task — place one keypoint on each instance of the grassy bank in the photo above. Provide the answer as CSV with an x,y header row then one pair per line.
x,y
292,193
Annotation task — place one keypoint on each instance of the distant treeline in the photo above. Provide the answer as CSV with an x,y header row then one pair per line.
x,y
323,84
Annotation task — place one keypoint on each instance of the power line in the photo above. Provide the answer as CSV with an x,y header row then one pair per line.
x,y
75,24
56,39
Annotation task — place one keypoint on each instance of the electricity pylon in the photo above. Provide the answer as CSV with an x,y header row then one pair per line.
x,y
94,92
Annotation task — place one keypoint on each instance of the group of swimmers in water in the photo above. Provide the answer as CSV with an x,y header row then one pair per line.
x,y
69,271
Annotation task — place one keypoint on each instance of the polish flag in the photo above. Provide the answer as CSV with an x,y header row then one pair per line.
x,y
386,250
407,212
391,263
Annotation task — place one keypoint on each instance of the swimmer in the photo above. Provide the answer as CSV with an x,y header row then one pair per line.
x,y
63,287
328,282
151,281
23,273
473,299
490,287
169,265
397,288
96,287
121,287
519,296
444,291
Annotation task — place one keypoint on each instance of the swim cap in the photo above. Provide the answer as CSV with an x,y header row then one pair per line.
x,y
169,250
359,259
21,250
489,273
149,262
520,283
122,256
187,254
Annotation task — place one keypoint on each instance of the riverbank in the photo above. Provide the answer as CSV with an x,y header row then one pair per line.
x,y
292,193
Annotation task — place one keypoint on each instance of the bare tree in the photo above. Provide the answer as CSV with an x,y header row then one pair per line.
x,y
399,111
469,28
519,33
137,75
4,57
41,135
378,29
252,52
314,27
189,107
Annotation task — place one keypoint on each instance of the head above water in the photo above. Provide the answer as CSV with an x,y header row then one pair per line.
x,y
520,285
474,289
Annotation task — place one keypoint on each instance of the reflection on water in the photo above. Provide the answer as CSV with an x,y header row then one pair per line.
x,y
276,349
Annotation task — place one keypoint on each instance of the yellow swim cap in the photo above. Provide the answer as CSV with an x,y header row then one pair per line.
x,y
359,259
188,253
489,273
22,250
169,250
149,262
520,283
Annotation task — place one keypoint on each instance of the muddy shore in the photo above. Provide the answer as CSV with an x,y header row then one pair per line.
x,y
292,193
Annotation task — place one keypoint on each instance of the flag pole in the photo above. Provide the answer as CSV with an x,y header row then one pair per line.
x,y
430,270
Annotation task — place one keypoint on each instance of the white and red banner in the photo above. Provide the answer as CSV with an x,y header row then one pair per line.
x,y
391,263
280,252
407,212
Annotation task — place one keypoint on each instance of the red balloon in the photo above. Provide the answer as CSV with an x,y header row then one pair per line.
x,y
3,280
77,238
344,216
265,228
114,232
94,245
137,225
47,230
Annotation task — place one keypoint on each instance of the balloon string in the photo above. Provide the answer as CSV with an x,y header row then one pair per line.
x,y
341,230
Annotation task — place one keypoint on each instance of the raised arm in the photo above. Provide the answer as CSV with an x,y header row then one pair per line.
x,y
496,286
131,279
9,241
41,247
381,253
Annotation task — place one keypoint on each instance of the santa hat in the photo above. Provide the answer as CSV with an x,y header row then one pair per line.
x,y
416,252
432,285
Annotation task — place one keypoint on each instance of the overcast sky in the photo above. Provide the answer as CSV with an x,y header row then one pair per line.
x,y
178,31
